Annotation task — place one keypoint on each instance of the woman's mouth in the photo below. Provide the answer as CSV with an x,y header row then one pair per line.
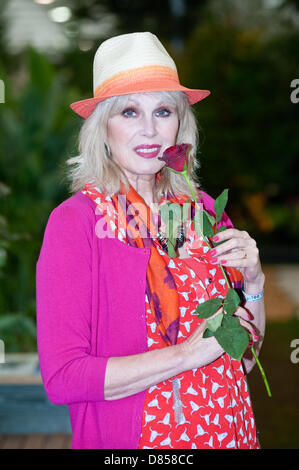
x,y
147,151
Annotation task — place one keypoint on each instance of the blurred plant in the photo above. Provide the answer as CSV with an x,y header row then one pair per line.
x,y
256,205
4,234
36,130
249,121
16,330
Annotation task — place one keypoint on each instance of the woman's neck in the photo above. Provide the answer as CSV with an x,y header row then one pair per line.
x,y
145,187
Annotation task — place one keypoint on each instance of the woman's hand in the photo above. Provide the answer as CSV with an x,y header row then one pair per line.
x,y
198,351
239,251
202,351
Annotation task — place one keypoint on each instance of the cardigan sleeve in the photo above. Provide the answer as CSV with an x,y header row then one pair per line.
x,y
69,371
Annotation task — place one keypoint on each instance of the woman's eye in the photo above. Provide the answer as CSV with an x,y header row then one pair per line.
x,y
128,112
164,112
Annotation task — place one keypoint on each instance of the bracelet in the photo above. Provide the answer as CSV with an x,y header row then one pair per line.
x,y
252,297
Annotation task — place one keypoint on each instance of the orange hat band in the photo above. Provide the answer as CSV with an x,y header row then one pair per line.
x,y
133,63
151,77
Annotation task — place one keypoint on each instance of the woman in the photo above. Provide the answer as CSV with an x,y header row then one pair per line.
x,y
118,340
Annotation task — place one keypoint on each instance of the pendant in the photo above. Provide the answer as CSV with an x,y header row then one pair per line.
x,y
177,402
180,239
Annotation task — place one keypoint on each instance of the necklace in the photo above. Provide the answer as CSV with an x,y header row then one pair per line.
x,y
180,238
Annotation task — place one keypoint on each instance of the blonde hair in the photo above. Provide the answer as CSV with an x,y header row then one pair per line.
x,y
94,164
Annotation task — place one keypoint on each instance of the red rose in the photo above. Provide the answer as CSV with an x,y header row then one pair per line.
x,y
176,157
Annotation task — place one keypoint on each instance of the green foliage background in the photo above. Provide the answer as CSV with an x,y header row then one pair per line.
x,y
37,132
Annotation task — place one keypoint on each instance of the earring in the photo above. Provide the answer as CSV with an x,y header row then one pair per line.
x,y
108,150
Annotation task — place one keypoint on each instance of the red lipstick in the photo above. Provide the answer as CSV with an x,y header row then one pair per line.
x,y
147,151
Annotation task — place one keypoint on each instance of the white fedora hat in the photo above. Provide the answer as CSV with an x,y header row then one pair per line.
x,y
133,63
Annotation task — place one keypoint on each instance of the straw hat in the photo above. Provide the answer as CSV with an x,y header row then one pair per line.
x,y
133,63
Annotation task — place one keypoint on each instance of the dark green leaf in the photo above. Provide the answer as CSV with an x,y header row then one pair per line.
x,y
232,337
202,224
207,333
231,302
220,203
210,217
208,308
207,226
171,248
230,322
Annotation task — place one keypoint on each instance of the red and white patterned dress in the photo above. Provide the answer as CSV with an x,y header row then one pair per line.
x,y
215,398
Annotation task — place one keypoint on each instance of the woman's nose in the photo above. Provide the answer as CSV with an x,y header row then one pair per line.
x,y
149,126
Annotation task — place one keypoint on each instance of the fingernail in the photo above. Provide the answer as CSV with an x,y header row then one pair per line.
x,y
212,252
216,238
214,260
223,261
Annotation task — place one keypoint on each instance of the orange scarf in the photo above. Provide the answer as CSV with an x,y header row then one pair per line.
x,y
135,217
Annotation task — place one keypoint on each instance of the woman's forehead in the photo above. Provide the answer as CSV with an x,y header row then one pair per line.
x,y
154,97
162,98
148,100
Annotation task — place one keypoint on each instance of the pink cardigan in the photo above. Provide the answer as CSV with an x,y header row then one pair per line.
x,y
89,309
